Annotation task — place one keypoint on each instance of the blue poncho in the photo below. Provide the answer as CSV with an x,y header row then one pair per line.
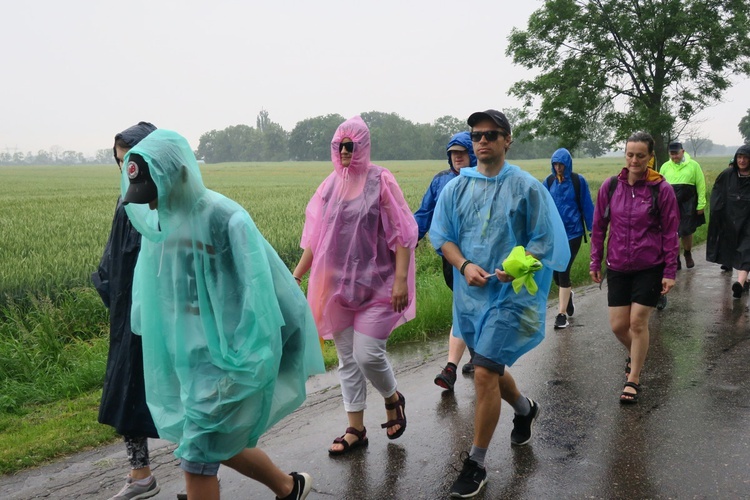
x,y
228,337
486,218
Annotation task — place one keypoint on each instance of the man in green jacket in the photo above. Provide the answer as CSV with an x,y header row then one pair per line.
x,y
686,177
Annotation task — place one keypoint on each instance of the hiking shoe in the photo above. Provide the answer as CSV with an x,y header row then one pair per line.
x,y
726,268
689,262
571,309
133,490
737,290
523,426
470,481
446,378
561,321
661,303
302,486
469,367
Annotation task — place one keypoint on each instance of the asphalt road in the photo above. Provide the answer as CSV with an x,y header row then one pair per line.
x,y
689,436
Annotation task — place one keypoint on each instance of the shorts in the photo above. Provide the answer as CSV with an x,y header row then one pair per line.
x,y
640,287
447,272
210,469
479,360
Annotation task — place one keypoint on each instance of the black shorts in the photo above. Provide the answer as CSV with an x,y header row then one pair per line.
x,y
447,272
642,287
479,360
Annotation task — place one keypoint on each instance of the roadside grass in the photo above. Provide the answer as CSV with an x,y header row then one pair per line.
x,y
54,329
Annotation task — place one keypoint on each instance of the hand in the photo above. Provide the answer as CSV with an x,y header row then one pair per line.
x,y
699,212
503,277
596,276
399,294
666,285
475,275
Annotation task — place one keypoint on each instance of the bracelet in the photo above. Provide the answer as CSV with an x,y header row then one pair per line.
x,y
298,280
463,266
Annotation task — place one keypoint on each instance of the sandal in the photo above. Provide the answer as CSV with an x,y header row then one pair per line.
x,y
361,441
630,398
400,407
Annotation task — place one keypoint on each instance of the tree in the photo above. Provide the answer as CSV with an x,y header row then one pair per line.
x,y
744,127
635,64
311,138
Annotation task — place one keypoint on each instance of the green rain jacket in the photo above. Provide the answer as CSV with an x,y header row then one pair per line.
x,y
228,337
689,186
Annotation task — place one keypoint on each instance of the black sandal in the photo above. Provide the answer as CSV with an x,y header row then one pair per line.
x,y
400,407
629,398
361,441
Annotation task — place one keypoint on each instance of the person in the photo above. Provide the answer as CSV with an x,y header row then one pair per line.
x,y
570,191
689,184
728,240
123,404
228,339
460,154
358,243
480,217
642,216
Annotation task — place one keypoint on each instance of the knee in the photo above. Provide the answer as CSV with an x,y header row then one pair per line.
x,y
485,379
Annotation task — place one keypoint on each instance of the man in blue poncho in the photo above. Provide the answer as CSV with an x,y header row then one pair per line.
x,y
228,337
480,217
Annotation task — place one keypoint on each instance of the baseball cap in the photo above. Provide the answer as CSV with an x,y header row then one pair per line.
x,y
457,147
675,146
491,114
142,188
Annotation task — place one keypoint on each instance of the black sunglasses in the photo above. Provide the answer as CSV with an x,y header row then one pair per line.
x,y
491,135
349,146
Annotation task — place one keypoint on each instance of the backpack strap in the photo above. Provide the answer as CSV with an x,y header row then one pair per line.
x,y
576,179
612,187
654,210
550,178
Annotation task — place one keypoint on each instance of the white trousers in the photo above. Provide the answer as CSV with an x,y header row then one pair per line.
x,y
362,358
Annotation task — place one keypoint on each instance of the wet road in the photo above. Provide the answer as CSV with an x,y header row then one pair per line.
x,y
689,436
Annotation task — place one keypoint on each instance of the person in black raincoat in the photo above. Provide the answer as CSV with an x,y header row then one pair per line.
x,y
729,228
123,404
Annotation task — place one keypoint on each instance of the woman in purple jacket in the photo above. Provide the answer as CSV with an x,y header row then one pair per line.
x,y
642,250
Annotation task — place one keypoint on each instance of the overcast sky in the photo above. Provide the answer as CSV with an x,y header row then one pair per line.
x,y
76,72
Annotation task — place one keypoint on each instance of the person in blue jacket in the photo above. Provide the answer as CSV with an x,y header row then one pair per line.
x,y
572,198
460,154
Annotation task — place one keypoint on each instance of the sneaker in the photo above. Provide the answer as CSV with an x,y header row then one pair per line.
x,y
523,426
737,290
689,262
469,367
133,490
679,264
561,321
302,486
446,378
470,481
661,303
571,309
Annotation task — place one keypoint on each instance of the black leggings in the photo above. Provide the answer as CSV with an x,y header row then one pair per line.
x,y
562,279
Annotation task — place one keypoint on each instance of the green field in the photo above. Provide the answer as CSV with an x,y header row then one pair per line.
x,y
54,223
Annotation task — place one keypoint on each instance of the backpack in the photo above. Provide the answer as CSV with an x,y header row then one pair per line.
x,y
577,188
654,210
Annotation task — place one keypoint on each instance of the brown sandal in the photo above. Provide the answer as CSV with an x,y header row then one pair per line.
x,y
400,407
361,441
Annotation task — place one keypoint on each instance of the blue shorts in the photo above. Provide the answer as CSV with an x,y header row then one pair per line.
x,y
210,469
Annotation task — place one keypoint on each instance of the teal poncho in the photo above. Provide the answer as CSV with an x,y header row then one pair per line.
x,y
486,218
228,337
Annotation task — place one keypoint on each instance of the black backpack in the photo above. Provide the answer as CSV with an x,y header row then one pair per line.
x,y
654,210
577,188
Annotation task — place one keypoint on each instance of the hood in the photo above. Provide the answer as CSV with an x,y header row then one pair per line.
x,y
742,150
562,155
473,173
133,135
178,180
462,139
355,129
652,176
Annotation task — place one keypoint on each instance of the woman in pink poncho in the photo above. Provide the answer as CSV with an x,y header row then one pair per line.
x,y
359,241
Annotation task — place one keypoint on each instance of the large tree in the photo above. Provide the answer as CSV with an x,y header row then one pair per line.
x,y
635,64
744,127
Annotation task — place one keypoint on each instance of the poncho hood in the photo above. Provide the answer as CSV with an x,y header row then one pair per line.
x,y
742,150
133,135
355,129
462,139
562,155
171,164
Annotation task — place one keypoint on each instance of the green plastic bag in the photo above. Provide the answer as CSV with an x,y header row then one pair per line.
x,y
522,267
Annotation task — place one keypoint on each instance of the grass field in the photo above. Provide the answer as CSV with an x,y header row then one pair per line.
x,y
54,223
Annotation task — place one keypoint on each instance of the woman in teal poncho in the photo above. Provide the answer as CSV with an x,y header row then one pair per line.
x,y
224,359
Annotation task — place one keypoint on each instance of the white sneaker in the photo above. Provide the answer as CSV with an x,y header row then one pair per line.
x,y
133,490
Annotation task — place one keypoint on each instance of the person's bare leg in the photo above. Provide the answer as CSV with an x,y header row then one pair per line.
x,y
456,348
141,473
356,420
255,464
687,242
508,390
487,408
639,336
619,322
742,277
203,487
564,296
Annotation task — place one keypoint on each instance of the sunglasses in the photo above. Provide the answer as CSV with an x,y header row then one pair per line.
x,y
349,146
491,135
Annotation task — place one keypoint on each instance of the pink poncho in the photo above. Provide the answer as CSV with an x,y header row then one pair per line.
x,y
353,224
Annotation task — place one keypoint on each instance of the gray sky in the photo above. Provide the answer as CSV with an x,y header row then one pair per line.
x,y
76,72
